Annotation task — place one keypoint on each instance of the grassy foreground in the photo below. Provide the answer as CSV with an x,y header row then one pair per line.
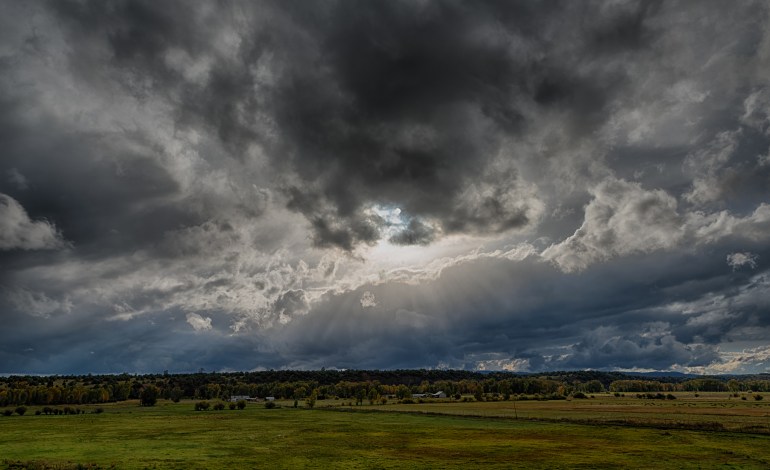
x,y
174,436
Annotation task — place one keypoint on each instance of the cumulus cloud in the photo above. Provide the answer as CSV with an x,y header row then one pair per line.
x,y
198,322
19,232
740,259
621,219
368,300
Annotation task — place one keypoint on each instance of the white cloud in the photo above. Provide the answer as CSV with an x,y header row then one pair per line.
x,y
623,218
198,322
738,259
17,231
368,300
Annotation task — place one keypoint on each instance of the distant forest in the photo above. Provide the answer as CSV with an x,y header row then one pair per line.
x,y
353,384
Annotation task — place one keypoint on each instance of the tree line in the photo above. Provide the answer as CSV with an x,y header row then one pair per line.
x,y
356,385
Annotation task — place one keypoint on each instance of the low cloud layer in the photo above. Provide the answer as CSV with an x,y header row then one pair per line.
x,y
496,185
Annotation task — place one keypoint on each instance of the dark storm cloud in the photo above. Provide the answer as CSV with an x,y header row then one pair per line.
x,y
399,103
415,233
243,183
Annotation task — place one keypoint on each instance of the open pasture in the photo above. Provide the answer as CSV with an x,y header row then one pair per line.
x,y
714,410
175,436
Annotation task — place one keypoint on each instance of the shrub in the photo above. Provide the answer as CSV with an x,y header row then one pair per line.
x,y
219,406
757,397
270,405
99,410
20,410
38,412
407,401
311,399
743,398
231,406
149,395
670,397
383,400
7,412
579,395
241,404
202,406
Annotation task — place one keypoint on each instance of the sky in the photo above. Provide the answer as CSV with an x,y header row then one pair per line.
x,y
483,185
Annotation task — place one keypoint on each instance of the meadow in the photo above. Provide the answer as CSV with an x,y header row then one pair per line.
x,y
587,433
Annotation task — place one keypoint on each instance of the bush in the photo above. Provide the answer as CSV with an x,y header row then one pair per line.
x,y
407,401
20,410
579,395
149,395
7,412
202,406
231,406
241,404
311,399
270,405
99,410
38,413
757,397
219,406
670,397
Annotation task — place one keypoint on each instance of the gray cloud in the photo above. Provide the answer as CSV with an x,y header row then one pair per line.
x,y
18,231
288,184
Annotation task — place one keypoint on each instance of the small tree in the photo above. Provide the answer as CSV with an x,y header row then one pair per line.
x,y
310,400
149,395
176,394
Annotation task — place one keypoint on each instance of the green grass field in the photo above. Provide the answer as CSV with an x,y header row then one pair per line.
x,y
707,410
175,436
